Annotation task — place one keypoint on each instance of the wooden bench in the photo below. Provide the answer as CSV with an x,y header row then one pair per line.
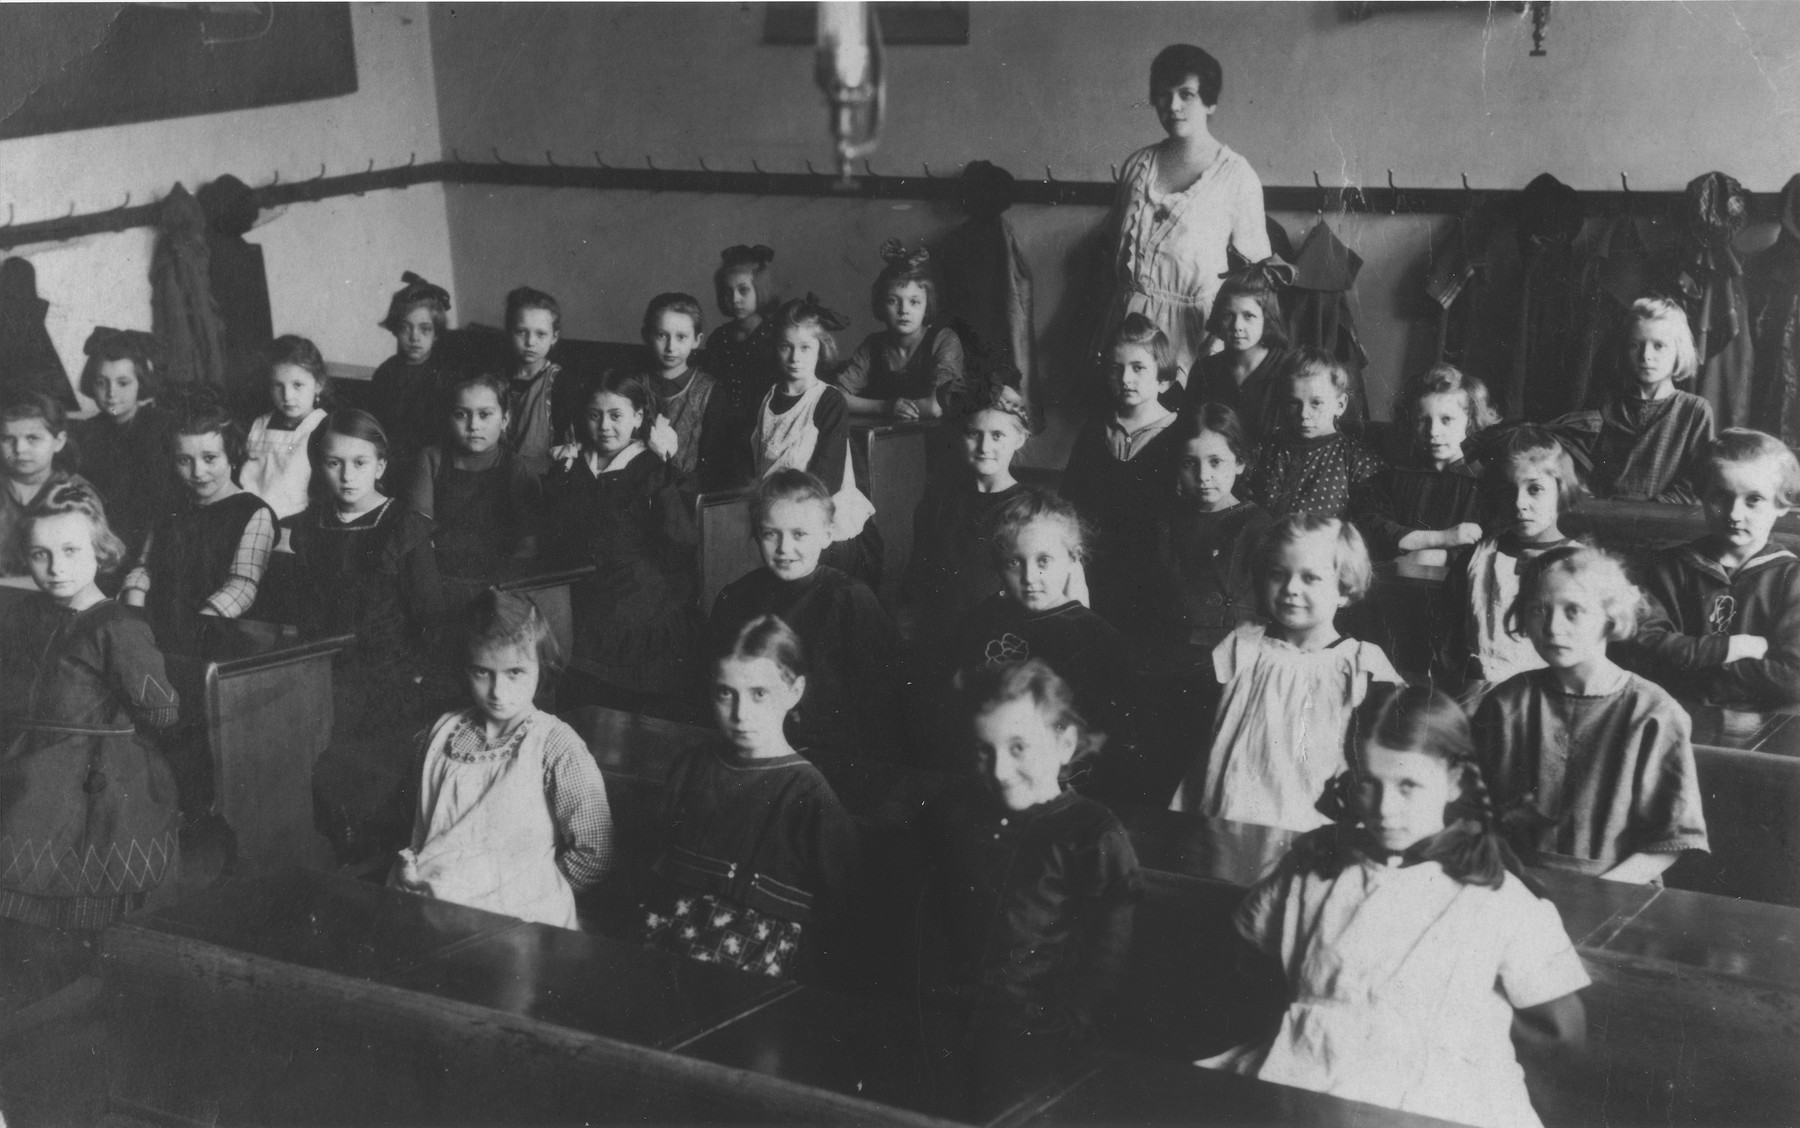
x,y
262,698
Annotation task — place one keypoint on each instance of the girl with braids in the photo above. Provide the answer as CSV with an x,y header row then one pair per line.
x,y
1412,949
910,368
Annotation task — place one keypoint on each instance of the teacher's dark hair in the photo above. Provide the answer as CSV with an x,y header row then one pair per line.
x,y
1176,62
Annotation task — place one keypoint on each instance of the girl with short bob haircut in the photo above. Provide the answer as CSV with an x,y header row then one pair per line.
x,y
1591,766
757,854
1291,681
1410,939
512,813
207,559
124,447
1247,317
913,367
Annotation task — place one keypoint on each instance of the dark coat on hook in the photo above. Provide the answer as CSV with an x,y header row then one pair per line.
x,y
1773,278
28,361
184,313
1715,209
240,284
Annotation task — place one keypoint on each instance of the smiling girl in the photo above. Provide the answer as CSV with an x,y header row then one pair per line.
x,y
619,507
208,558
1290,682
277,467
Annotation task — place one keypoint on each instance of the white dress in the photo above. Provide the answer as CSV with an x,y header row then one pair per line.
x,y
1493,585
787,442
1279,737
1404,982
276,468
1171,248
483,835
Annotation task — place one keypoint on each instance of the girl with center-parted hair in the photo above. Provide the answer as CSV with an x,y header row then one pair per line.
x,y
1415,953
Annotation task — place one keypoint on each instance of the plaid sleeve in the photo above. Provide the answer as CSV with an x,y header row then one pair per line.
x,y
248,564
577,794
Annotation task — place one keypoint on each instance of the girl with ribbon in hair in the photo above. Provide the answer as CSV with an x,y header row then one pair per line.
x,y
1412,949
910,368
1246,317
124,447
406,392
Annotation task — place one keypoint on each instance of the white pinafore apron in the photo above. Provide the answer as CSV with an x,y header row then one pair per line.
x,y
787,442
483,835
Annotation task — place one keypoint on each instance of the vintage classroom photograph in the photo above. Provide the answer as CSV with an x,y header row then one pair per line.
x,y
965,564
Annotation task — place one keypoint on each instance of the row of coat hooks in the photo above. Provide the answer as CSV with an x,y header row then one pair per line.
x,y
875,183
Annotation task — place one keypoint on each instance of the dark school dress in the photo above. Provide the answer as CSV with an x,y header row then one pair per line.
x,y
744,369
1038,904
1332,475
190,558
952,567
1206,586
409,400
1254,400
482,514
1413,497
375,577
1649,450
88,813
700,416
1695,608
853,654
132,466
1121,500
634,617
754,854
1085,651
935,368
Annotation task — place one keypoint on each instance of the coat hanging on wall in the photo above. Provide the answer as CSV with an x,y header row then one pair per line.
x,y
182,307
1718,300
1325,269
28,361
1772,278
985,279
1560,330
239,283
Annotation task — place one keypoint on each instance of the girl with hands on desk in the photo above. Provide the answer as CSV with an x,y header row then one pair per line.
x,y
1592,767
1411,946
909,367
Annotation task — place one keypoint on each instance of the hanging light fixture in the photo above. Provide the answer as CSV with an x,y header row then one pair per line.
x,y
849,71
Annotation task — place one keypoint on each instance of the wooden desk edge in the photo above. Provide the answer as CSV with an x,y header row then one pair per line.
x,y
300,651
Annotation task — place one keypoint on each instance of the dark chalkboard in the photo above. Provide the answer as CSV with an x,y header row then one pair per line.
x,y
78,66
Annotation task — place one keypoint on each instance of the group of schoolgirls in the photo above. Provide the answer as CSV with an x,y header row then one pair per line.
x,y
1220,527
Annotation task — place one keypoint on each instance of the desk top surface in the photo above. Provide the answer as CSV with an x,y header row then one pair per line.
x,y
242,645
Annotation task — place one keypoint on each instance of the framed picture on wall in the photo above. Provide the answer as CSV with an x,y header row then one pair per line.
x,y
902,24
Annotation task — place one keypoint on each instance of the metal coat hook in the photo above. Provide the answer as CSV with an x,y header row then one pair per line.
x,y
126,204
1625,183
276,180
1115,172
757,167
650,164
321,175
498,157
371,167
71,214
600,162
412,159
810,168
870,169
927,169
1320,185
1049,177
703,167
1393,195
550,159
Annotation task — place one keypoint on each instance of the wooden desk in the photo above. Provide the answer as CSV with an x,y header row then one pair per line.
x,y
1636,527
894,461
727,547
266,700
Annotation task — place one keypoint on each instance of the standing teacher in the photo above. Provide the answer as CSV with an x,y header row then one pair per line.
x,y
1180,202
